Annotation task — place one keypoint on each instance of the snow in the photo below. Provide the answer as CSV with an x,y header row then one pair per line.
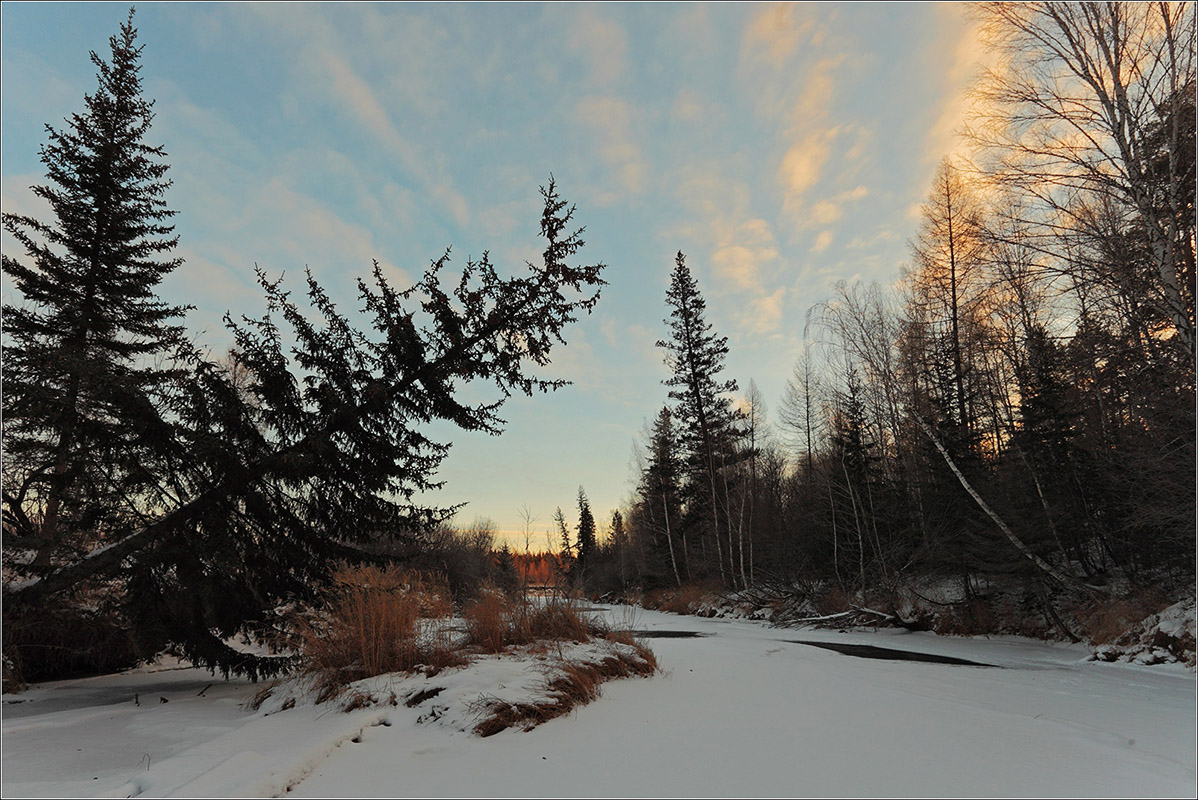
x,y
1162,637
739,711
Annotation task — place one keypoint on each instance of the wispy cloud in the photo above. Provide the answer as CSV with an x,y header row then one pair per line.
x,y
324,68
691,33
765,312
967,55
744,251
603,43
689,106
817,92
774,32
803,165
610,122
822,241
829,210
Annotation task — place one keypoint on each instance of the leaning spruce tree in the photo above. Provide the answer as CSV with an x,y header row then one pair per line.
x,y
230,491
80,381
319,457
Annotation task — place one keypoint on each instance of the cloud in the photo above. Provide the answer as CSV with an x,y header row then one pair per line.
x,y
404,44
608,327
610,121
822,241
869,242
864,135
966,55
764,313
818,90
691,33
689,107
804,162
744,252
703,191
774,32
741,248
825,212
603,43
212,287
738,264
357,97
775,66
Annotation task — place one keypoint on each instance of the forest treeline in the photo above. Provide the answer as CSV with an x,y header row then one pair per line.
x,y
1020,408
1017,407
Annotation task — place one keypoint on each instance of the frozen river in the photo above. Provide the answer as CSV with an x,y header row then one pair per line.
x,y
740,709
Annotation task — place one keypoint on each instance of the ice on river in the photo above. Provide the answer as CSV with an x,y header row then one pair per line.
x,y
737,711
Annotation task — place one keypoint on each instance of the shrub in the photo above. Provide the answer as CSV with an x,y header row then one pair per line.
x,y
494,621
830,600
489,621
1103,621
684,600
374,621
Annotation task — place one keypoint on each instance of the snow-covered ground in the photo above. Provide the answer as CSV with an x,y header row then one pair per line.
x,y
738,711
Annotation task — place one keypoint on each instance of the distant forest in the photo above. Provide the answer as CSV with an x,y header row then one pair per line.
x,y
1019,406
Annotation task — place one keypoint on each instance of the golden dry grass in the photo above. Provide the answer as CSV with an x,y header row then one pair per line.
x,y
375,621
378,621
495,622
1105,621
575,684
683,600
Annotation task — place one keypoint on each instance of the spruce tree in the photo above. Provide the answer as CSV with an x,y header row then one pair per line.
x,y
586,534
565,564
84,351
660,505
695,355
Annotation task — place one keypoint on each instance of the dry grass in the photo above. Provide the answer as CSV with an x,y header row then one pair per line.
x,y
562,620
489,620
379,621
261,696
831,600
375,621
495,622
575,684
1106,620
683,600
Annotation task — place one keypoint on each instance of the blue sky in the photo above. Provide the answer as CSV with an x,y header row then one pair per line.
x,y
781,147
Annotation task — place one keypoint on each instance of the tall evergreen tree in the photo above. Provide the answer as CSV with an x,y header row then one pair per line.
x,y
83,353
618,546
660,505
566,564
695,355
586,535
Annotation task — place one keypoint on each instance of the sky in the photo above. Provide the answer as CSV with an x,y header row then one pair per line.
x,y
782,148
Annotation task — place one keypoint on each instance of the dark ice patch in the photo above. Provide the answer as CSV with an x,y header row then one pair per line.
x,y
870,651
